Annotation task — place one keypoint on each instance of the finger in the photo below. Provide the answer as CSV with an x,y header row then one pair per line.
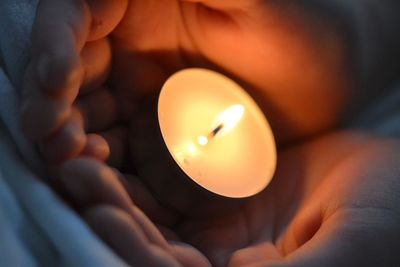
x,y
145,200
59,33
89,183
98,109
117,138
261,253
347,238
122,233
67,143
41,115
105,17
96,147
188,255
96,63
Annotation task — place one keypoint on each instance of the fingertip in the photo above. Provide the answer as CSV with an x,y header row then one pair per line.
x,y
96,147
59,21
68,142
64,145
106,15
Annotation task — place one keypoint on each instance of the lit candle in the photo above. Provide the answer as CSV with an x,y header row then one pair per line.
x,y
216,133
202,146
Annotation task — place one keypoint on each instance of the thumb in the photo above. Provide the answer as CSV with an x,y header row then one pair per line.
x,y
350,237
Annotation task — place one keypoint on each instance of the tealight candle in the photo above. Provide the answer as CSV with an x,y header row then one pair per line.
x,y
206,140
216,133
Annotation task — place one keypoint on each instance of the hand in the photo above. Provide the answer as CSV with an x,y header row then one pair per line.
x,y
263,45
115,52
333,202
62,31
70,52
99,197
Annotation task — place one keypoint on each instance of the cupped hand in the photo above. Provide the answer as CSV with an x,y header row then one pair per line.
x,y
112,53
98,195
292,65
333,202
70,55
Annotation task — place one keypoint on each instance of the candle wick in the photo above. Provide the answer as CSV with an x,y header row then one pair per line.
x,y
216,131
204,140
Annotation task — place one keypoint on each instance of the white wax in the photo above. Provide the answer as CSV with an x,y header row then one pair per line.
x,y
239,159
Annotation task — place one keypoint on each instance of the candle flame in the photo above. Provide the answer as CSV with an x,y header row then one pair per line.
x,y
225,122
230,117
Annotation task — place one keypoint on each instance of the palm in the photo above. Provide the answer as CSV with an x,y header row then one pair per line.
x,y
260,45
156,39
311,198
260,221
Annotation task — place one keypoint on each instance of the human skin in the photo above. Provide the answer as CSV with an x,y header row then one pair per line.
x,y
293,67
289,63
339,208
